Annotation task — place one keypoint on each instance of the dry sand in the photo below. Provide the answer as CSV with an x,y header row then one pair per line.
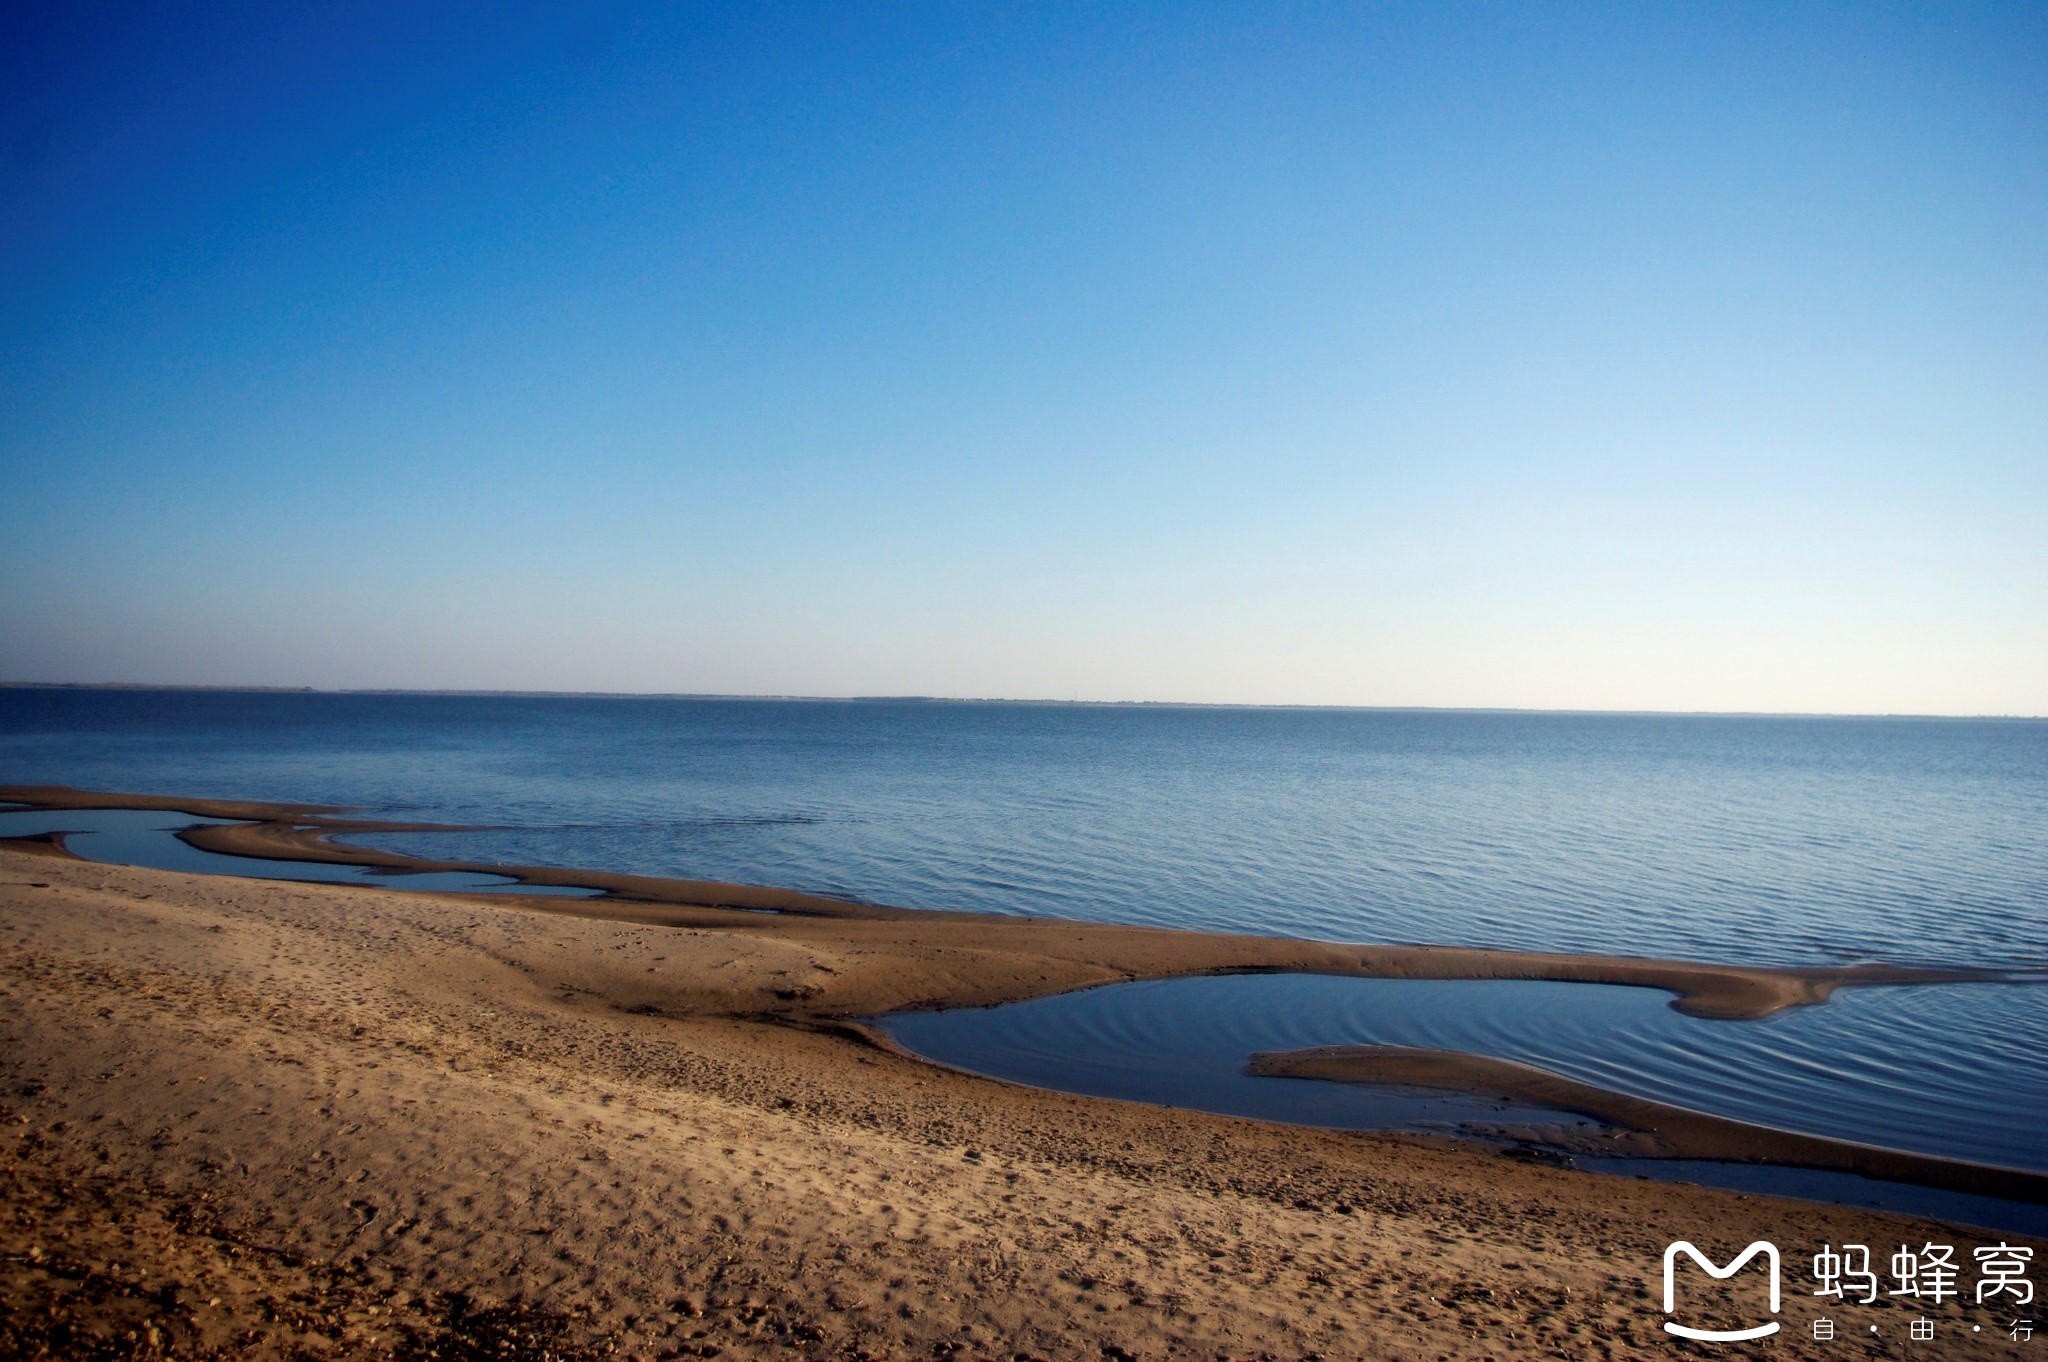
x,y
261,1119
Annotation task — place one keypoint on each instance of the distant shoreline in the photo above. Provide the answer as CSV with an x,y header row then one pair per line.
x,y
1019,701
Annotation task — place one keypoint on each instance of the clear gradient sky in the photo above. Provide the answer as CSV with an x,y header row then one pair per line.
x,y
1637,356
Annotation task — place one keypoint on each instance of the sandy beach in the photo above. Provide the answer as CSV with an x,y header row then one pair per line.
x,y
262,1119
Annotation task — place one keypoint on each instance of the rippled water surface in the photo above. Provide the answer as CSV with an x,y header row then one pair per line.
x,y
1778,840
1964,1076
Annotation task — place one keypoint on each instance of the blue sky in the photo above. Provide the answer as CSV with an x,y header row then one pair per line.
x,y
1672,357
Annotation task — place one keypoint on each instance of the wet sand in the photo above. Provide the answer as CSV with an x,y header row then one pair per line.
x,y
266,1118
1646,1129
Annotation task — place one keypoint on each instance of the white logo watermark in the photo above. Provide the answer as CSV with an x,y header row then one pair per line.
x,y
1735,1265
1924,1279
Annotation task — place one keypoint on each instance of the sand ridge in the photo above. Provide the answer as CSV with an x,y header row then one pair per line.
x,y
1653,1129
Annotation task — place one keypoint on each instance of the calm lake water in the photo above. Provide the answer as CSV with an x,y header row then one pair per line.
x,y
1183,1043
1970,1065
1761,840
1748,840
149,837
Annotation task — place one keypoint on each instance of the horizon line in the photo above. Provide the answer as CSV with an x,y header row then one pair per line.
x,y
490,692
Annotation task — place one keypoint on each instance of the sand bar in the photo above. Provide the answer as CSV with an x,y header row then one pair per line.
x,y
1652,1129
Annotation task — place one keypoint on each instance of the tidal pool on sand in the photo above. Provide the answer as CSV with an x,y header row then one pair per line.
x,y
149,837
1969,1082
